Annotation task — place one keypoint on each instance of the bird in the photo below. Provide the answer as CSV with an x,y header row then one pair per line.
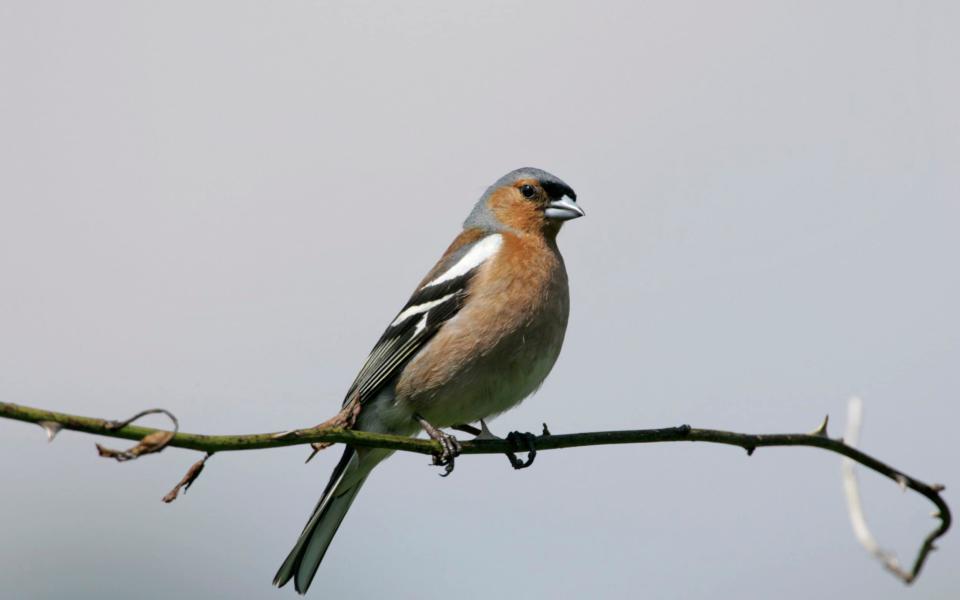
x,y
480,333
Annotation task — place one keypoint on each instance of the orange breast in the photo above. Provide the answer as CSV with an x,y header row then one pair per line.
x,y
501,345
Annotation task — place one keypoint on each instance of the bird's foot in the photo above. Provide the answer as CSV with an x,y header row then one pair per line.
x,y
450,446
522,442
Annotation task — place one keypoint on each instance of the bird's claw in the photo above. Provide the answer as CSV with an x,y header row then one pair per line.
x,y
523,442
451,450
449,446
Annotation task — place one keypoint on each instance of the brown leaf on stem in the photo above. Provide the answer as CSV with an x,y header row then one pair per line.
x,y
345,419
151,443
192,473
154,442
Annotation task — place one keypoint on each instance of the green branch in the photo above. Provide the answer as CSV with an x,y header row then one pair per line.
x,y
227,443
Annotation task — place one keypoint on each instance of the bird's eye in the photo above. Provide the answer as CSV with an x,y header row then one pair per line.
x,y
528,191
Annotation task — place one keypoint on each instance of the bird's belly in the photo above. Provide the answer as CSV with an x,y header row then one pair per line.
x,y
493,384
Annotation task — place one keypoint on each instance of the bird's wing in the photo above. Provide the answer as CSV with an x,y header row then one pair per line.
x,y
438,299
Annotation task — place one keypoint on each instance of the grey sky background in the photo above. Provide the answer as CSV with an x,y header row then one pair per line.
x,y
216,207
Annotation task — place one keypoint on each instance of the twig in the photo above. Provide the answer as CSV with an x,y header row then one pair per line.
x,y
683,433
858,519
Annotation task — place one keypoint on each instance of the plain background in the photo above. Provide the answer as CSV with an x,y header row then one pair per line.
x,y
216,207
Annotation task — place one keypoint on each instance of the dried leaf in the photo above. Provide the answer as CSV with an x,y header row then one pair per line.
x,y
154,442
345,419
192,473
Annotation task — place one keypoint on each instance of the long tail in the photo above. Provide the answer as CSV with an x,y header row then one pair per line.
x,y
302,562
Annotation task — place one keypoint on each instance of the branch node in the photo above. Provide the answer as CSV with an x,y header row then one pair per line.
x,y
749,450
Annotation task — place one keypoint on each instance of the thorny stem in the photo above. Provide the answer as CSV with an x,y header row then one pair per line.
x,y
683,433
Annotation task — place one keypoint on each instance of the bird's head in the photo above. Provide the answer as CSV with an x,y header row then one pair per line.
x,y
527,200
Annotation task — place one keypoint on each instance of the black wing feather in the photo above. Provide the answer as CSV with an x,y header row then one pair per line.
x,y
400,342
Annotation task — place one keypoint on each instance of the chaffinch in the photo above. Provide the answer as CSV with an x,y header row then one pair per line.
x,y
480,333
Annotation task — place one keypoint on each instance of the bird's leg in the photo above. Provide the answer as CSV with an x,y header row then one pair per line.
x,y
467,429
483,433
450,445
